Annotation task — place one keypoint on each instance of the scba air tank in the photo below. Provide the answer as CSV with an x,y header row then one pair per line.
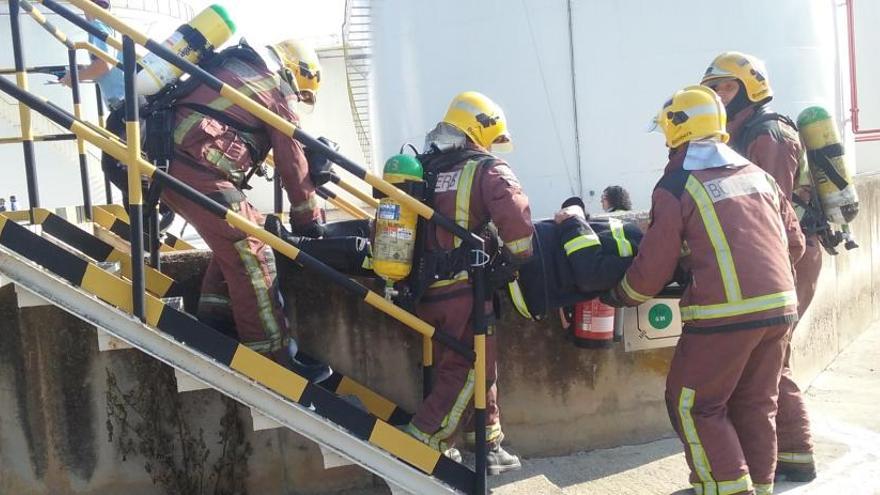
x,y
191,41
827,162
395,236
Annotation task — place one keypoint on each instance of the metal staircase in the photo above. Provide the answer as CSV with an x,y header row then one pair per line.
x,y
357,46
57,261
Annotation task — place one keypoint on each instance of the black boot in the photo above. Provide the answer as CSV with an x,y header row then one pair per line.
x,y
795,472
309,368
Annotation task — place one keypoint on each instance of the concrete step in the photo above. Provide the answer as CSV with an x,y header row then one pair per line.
x,y
27,299
331,458
187,383
107,342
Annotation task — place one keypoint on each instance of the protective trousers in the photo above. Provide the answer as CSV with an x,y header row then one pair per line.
x,y
721,395
795,442
241,277
450,402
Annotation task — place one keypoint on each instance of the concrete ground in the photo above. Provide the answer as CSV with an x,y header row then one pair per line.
x,y
844,404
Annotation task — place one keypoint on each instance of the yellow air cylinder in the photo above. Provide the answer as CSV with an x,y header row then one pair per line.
x,y
827,162
395,232
191,41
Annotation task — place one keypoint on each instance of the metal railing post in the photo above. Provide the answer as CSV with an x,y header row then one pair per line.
x,y
279,193
24,112
478,278
108,187
80,143
135,199
427,367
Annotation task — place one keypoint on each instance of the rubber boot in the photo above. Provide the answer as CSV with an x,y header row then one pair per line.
x,y
304,366
795,472
500,461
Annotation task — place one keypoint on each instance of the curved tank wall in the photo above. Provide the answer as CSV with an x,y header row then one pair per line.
x,y
577,131
57,163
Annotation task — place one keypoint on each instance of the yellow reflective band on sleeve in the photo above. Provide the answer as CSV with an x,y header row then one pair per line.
x,y
737,308
463,197
632,293
519,246
519,302
582,241
795,457
717,237
689,430
624,247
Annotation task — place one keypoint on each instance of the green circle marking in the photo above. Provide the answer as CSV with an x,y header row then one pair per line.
x,y
660,316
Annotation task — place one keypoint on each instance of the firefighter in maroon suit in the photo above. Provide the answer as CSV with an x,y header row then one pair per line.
x,y
771,141
727,224
473,187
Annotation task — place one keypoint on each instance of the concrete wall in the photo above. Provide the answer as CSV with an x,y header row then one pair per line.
x,y
555,398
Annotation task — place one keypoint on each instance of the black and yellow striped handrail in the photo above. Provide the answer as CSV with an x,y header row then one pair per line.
x,y
258,111
115,219
157,283
117,292
116,148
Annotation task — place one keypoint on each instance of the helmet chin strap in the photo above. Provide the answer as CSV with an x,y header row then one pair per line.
x,y
739,102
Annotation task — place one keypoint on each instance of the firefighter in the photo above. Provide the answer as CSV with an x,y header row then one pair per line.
x,y
474,187
212,155
726,222
771,142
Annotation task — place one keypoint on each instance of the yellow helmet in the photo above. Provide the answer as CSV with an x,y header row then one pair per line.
x,y
749,70
481,119
300,68
693,113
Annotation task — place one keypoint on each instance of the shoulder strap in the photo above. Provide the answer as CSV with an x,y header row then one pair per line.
x,y
753,127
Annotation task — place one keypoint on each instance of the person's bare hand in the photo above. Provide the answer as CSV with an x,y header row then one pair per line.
x,y
564,214
65,79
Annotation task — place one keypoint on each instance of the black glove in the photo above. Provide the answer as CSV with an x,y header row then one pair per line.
x,y
319,165
610,298
314,230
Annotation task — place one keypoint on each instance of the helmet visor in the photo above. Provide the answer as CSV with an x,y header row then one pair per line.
x,y
501,144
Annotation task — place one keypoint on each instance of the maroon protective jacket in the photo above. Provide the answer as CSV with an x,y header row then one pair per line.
x,y
735,236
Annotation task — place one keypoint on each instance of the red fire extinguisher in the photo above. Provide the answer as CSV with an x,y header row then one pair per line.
x,y
591,324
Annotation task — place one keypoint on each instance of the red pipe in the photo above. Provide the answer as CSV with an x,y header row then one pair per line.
x,y
861,134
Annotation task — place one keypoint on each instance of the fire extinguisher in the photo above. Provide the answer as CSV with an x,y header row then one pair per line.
x,y
591,324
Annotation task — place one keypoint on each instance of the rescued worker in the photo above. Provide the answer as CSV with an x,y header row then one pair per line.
x,y
615,198
474,187
216,143
728,225
574,260
111,82
770,141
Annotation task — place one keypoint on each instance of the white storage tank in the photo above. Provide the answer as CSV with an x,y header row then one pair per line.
x,y
581,79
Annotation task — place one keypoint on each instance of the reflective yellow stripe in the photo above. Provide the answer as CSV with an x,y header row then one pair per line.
x,y
519,302
450,421
307,205
763,489
795,457
463,197
582,241
459,277
624,247
263,295
717,237
520,245
689,431
632,293
743,307
743,484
